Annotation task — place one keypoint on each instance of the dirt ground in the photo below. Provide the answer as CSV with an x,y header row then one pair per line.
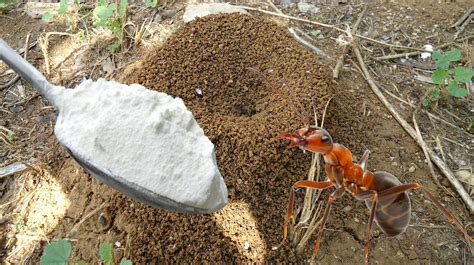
x,y
242,114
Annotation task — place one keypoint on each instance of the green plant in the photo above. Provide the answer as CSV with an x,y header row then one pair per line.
x,y
58,253
152,3
6,5
112,17
48,16
452,76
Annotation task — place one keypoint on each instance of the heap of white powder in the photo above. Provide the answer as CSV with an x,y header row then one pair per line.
x,y
146,137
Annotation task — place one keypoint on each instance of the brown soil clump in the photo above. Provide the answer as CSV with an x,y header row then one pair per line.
x,y
242,114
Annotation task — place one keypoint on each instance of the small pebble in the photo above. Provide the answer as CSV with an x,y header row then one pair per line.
x,y
394,163
246,245
118,244
412,169
347,209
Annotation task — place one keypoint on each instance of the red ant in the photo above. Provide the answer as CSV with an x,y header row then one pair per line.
x,y
383,193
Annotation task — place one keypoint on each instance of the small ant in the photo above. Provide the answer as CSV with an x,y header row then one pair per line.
x,y
383,193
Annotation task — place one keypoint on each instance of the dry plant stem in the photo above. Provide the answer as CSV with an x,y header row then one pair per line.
x,y
87,216
329,26
315,223
44,43
345,49
424,147
463,18
431,115
407,54
309,45
463,26
437,160
440,147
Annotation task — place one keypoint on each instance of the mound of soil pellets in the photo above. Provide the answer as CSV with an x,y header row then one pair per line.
x,y
242,78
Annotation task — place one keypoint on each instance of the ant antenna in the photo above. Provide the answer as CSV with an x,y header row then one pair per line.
x,y
298,109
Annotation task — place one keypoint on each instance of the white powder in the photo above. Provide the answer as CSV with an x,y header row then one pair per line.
x,y
147,137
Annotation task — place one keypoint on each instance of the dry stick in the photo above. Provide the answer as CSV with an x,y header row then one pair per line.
x,y
440,147
424,147
308,199
438,161
340,60
407,54
463,26
464,17
87,216
431,115
300,247
44,43
329,26
309,45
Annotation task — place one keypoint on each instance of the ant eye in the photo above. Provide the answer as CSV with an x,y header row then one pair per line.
x,y
325,139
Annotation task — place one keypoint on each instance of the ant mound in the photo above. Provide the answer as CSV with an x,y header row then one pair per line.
x,y
229,70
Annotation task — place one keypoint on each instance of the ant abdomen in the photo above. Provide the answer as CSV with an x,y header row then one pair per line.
x,y
392,214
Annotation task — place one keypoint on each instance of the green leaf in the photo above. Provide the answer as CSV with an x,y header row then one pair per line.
x,y
425,102
453,55
439,76
112,48
125,261
47,17
471,125
456,91
105,252
81,262
123,9
462,74
102,13
62,7
443,60
317,34
57,253
435,94
151,3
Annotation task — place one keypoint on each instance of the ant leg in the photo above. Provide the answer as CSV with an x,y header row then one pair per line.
x,y
402,188
373,196
363,160
337,193
300,184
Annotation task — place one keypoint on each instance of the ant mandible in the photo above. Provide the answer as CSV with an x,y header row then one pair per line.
x,y
383,193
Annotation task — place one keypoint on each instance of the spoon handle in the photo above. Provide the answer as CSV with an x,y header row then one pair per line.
x,y
27,71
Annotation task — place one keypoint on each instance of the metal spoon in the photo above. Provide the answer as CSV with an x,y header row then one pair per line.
x,y
140,193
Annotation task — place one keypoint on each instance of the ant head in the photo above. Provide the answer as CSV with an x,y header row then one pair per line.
x,y
317,139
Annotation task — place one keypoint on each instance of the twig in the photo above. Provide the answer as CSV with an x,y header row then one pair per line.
x,y
440,147
12,169
464,17
463,26
329,26
340,60
424,147
407,54
438,161
431,115
457,143
309,45
274,6
87,216
44,43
